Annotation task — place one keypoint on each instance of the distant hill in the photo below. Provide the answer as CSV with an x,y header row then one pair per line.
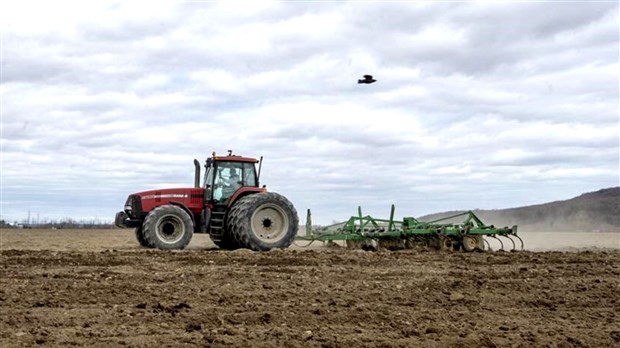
x,y
597,211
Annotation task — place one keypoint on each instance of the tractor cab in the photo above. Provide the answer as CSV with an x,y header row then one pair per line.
x,y
227,175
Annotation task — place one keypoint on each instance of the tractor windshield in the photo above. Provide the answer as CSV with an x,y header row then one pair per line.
x,y
229,177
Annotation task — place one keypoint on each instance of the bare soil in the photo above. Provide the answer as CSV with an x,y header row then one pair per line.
x,y
98,288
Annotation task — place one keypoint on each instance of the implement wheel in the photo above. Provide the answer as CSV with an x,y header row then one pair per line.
x,y
473,243
263,221
168,227
469,243
446,243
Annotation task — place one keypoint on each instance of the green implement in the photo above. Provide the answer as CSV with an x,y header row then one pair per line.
x,y
367,232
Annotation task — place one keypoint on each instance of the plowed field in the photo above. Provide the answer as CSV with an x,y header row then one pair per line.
x,y
98,288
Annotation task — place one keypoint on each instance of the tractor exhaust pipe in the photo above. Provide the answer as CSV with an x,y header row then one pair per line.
x,y
196,173
260,166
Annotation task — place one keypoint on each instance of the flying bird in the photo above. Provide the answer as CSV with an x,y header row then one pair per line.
x,y
367,79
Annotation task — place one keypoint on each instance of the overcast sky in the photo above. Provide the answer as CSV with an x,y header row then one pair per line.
x,y
477,104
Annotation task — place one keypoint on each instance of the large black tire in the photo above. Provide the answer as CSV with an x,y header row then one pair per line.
x,y
263,221
168,227
226,242
140,237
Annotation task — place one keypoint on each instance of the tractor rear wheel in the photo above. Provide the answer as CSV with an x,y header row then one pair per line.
x,y
168,227
140,237
226,242
263,221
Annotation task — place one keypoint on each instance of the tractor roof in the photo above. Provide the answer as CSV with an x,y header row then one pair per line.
x,y
235,158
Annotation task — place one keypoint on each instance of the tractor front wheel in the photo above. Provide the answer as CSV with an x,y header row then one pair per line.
x,y
140,237
168,227
263,221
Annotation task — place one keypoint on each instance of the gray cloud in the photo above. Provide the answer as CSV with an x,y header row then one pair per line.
x,y
477,105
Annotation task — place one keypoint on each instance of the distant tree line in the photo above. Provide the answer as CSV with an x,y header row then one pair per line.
x,y
65,223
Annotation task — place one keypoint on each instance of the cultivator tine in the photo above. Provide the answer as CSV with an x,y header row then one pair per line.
x,y
416,242
391,244
520,240
500,242
353,244
306,245
370,245
514,246
488,245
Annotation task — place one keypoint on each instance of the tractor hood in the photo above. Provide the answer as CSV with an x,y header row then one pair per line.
x,y
190,197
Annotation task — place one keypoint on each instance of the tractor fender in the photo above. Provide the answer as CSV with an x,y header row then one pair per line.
x,y
242,192
189,212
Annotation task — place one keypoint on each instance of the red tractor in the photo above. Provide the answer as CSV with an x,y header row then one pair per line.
x,y
229,206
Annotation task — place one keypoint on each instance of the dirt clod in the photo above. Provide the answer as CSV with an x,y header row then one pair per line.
x,y
194,326
457,296
432,330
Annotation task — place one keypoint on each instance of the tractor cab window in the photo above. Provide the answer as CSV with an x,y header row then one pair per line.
x,y
208,178
229,177
249,175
